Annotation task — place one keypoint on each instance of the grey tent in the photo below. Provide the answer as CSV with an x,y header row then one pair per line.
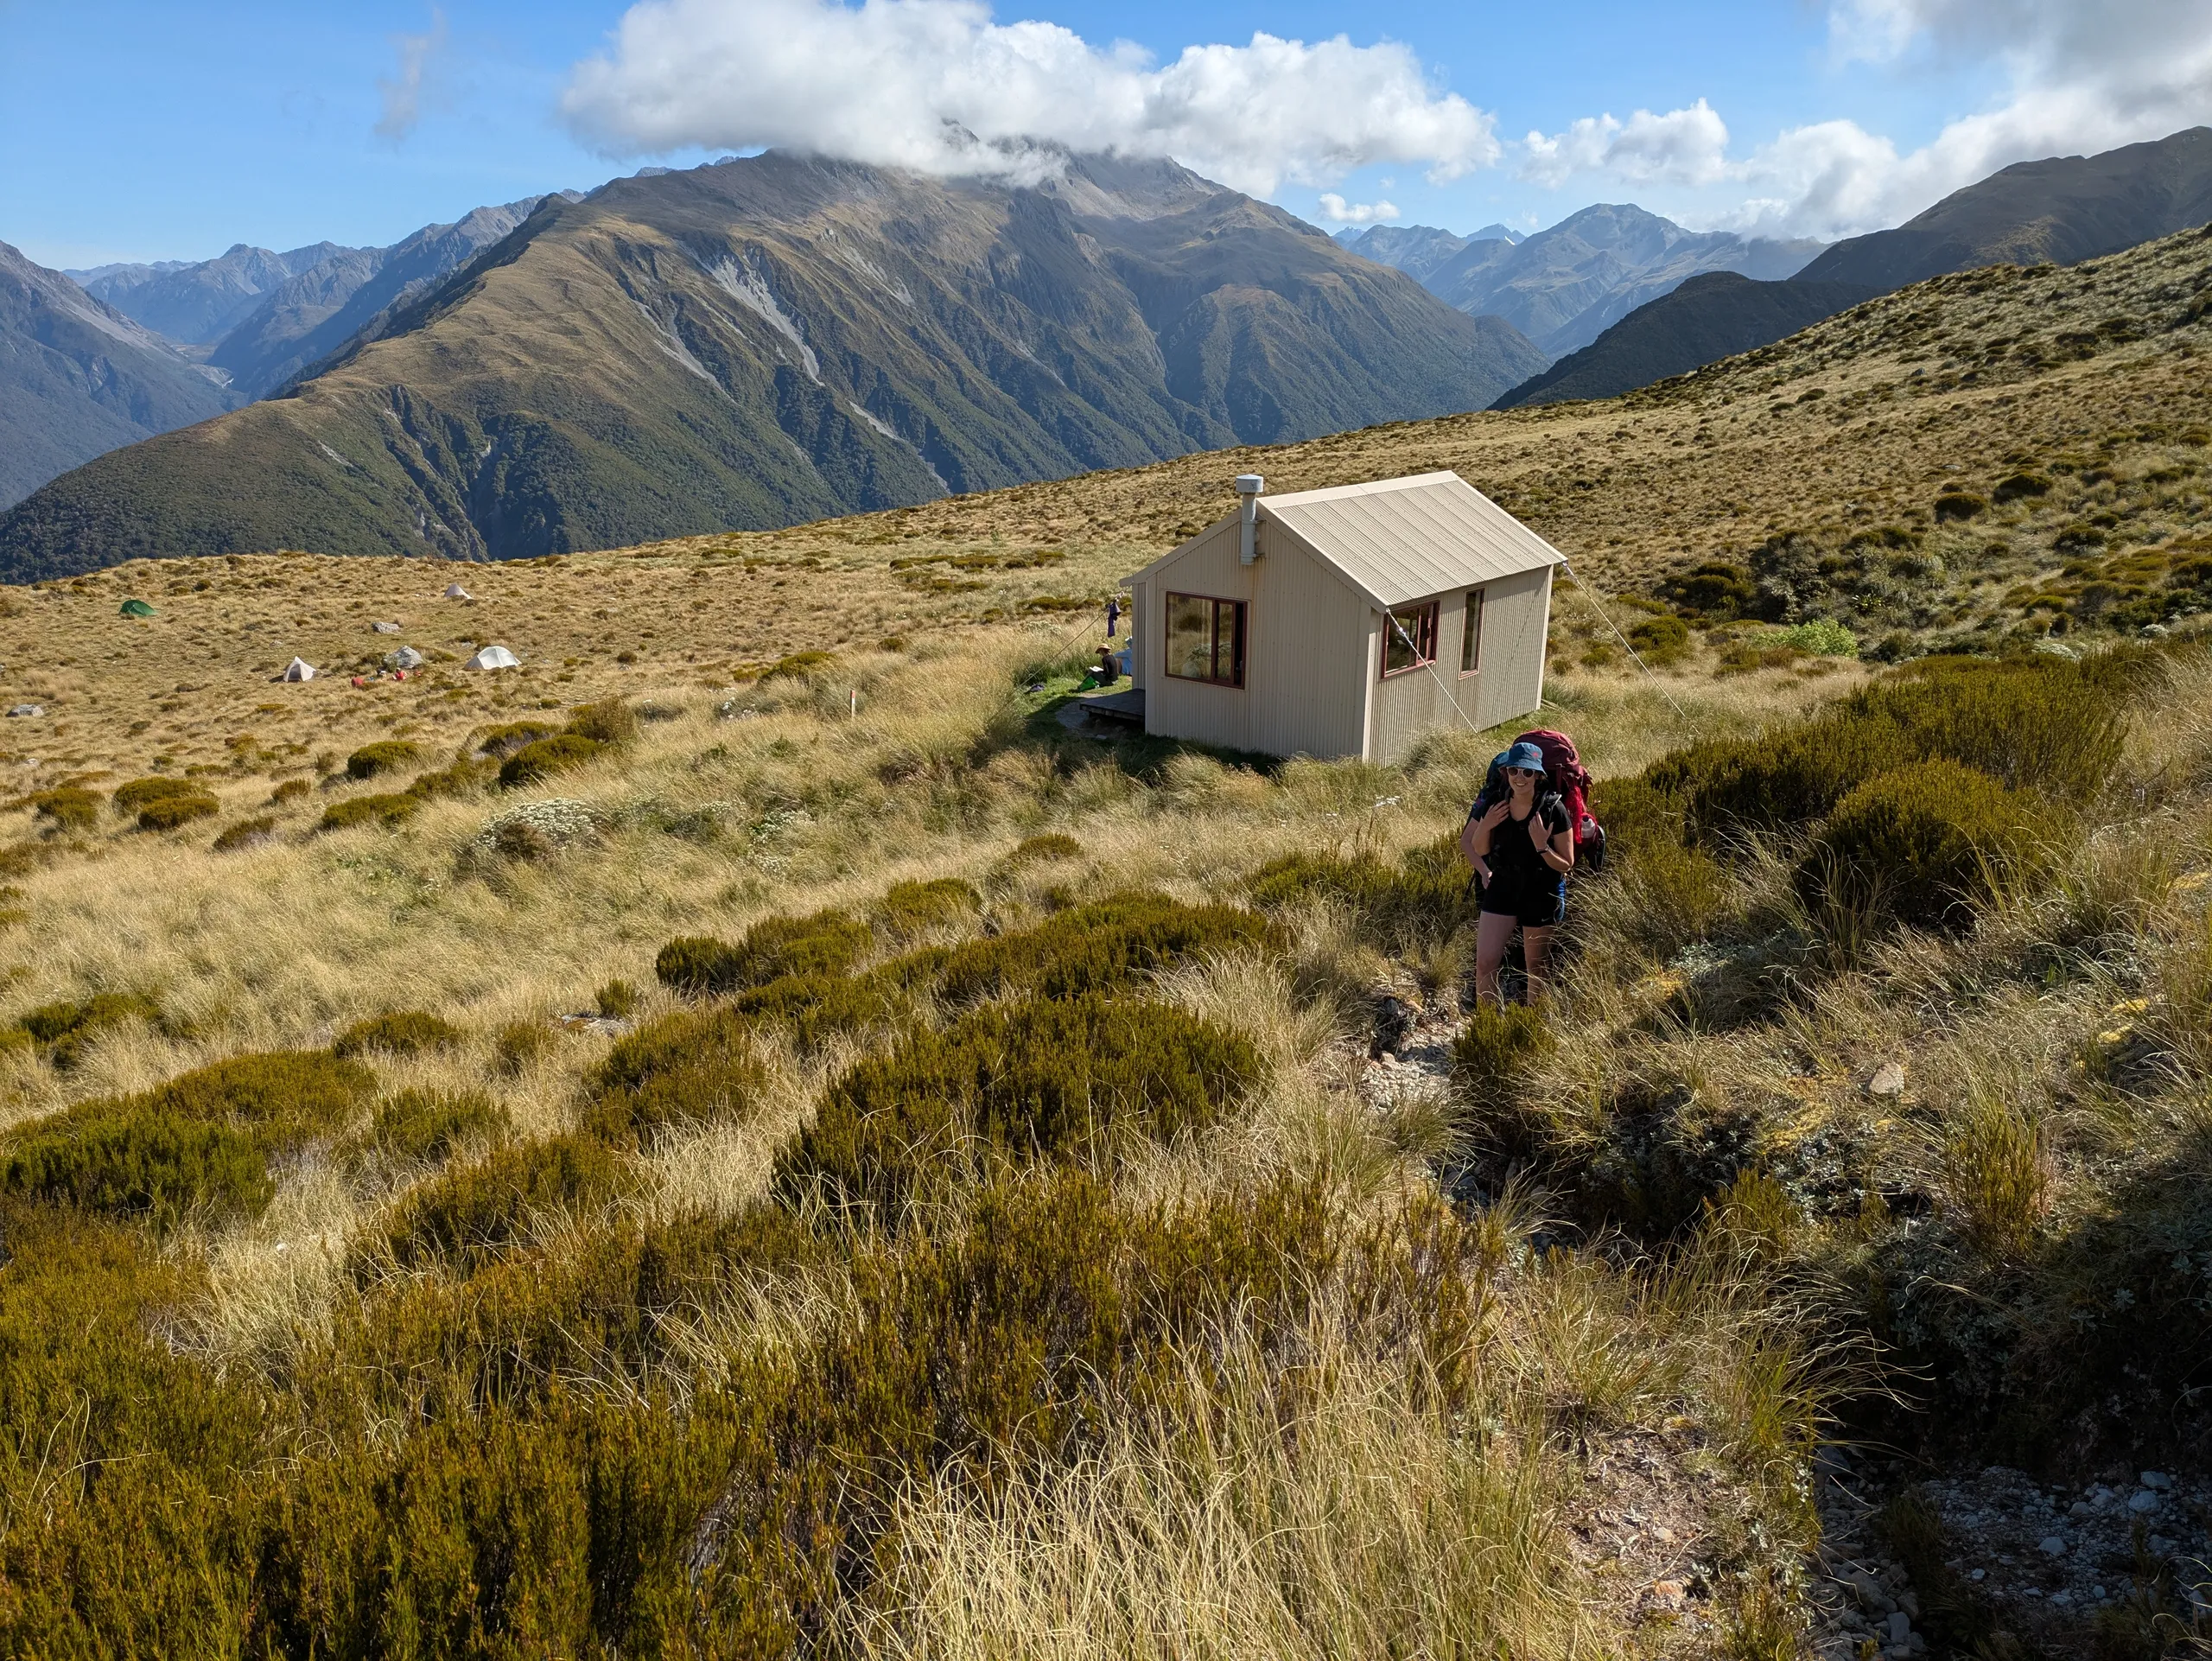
x,y
455,591
299,669
493,657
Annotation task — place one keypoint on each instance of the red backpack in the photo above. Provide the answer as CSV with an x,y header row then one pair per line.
x,y
1566,777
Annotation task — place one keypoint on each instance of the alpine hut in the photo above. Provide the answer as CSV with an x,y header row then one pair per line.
x,y
1344,622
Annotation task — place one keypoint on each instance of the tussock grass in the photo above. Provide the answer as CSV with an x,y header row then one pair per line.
x,y
1003,1211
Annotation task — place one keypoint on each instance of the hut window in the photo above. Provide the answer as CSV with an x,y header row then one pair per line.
x,y
1409,638
1205,639
1470,634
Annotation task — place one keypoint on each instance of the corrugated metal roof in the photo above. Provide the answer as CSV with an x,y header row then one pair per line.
x,y
1405,539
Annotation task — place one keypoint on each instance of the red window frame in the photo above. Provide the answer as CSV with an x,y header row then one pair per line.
x,y
1470,634
1418,623
1225,651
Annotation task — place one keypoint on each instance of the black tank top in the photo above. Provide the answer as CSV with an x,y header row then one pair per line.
x,y
1515,866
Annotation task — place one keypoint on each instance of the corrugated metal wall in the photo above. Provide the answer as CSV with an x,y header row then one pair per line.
x,y
1313,655
1508,683
1516,613
1305,671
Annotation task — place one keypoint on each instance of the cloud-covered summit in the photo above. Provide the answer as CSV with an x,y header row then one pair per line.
x,y
937,85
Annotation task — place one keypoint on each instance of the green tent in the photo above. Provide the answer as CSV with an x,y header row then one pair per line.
x,y
139,609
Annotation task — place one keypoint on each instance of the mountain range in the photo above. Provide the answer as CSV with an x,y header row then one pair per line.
x,y
2061,211
1565,286
78,378
773,339
261,317
1417,249
92,360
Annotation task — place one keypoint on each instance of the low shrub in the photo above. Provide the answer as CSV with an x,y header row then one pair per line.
x,y
51,1023
1924,844
608,722
281,1097
1956,505
1822,637
2020,486
197,1145
290,790
616,1001
811,1010
1660,640
475,1213
1716,589
421,1126
1095,947
386,755
696,1067
246,833
67,1028
799,665
1052,845
545,758
462,778
401,1032
1048,1077
171,811
1424,899
911,909
71,807
519,1043
368,810
2046,725
132,798
503,740
156,1166
826,942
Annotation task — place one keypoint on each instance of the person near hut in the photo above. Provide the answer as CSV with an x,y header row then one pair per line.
x,y
1522,847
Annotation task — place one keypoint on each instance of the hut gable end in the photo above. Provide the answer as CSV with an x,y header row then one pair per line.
x,y
1308,613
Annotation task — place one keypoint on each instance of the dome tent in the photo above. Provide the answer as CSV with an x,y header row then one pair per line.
x,y
136,608
299,669
455,591
493,657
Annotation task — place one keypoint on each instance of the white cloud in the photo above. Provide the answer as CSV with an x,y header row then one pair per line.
x,y
2085,76
402,94
1337,210
2081,76
937,85
1684,146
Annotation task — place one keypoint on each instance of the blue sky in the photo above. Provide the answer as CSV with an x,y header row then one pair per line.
x,y
131,131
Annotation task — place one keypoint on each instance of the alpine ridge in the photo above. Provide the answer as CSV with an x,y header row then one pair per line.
x,y
767,340
78,378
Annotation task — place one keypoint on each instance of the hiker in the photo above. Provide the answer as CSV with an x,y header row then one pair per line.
x,y
1522,847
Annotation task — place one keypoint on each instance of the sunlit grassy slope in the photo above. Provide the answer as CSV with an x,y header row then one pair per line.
x,y
997,1231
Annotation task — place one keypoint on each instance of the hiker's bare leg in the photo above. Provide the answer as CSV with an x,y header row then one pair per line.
x,y
1493,933
1535,949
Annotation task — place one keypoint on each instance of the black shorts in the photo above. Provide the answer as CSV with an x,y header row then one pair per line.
x,y
1542,909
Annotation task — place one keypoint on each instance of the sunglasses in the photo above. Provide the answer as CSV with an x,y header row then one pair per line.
x,y
1525,772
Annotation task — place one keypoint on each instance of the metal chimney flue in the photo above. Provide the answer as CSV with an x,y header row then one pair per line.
x,y
1249,487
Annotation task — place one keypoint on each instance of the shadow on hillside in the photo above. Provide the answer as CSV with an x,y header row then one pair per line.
x,y
1140,756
